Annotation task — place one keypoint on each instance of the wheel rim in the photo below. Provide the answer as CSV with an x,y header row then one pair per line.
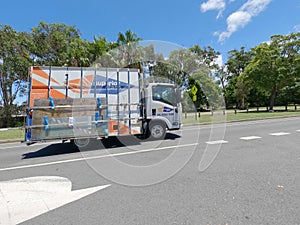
x,y
157,131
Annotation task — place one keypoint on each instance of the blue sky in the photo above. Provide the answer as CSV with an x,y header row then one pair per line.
x,y
222,24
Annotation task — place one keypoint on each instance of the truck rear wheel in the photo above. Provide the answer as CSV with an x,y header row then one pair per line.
x,y
157,130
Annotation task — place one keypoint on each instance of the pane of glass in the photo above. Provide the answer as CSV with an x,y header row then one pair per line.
x,y
164,94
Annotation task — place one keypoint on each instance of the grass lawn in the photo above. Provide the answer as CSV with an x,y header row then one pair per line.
x,y
11,134
231,116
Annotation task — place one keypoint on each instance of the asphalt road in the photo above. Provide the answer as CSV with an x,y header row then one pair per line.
x,y
253,177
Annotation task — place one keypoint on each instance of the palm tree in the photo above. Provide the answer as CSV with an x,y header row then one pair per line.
x,y
128,48
129,38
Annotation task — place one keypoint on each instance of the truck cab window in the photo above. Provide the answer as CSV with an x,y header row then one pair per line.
x,y
164,94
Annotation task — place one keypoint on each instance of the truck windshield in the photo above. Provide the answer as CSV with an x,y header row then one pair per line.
x,y
164,94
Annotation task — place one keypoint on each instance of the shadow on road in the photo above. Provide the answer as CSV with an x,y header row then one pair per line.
x,y
106,143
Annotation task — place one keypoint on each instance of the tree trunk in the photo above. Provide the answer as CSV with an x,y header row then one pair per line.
x,y
272,100
243,103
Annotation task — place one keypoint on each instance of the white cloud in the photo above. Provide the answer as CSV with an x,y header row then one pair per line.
x,y
218,5
242,17
219,60
297,28
254,7
235,21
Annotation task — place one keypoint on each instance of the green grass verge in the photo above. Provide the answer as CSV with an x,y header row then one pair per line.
x,y
12,134
231,116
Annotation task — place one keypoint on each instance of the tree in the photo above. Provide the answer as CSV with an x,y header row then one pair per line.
x,y
275,65
190,61
77,54
125,52
99,47
289,95
184,64
201,99
162,71
14,62
189,67
127,47
57,44
209,88
237,61
127,38
235,92
151,60
207,56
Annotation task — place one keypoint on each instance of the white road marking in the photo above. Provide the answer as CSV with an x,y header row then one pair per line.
x,y
26,198
95,157
250,138
298,130
279,134
216,142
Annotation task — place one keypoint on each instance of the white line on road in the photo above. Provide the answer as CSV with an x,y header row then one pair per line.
x,y
94,157
26,198
216,142
279,134
250,138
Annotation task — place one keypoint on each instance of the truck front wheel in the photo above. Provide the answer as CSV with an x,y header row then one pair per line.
x,y
157,130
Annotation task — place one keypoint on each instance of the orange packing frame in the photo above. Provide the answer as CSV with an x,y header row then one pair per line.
x,y
119,89
113,127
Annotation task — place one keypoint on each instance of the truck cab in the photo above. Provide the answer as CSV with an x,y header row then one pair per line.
x,y
162,109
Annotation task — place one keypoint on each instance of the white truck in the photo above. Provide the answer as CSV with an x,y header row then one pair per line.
x,y
82,103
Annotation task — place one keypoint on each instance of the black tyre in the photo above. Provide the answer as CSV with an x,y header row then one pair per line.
x,y
157,130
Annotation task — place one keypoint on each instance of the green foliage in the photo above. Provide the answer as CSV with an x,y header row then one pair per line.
x,y
124,53
209,88
9,116
162,71
128,38
99,47
257,77
207,56
229,93
236,91
183,65
289,95
57,44
128,51
237,62
274,65
202,101
14,62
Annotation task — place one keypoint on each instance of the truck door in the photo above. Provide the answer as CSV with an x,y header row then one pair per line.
x,y
165,104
